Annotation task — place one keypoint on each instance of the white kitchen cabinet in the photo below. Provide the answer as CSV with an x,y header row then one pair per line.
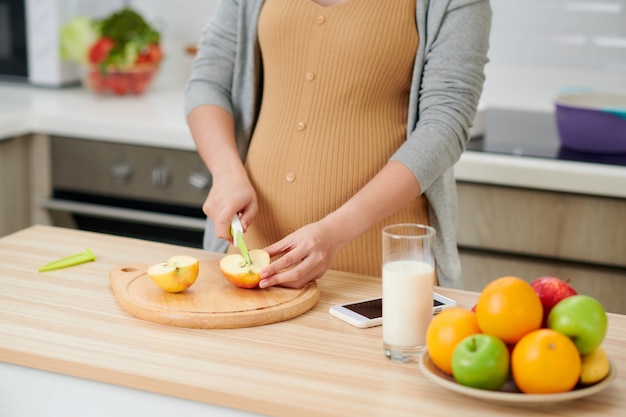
x,y
530,233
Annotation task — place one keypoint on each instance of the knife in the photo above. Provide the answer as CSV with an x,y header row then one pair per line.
x,y
236,229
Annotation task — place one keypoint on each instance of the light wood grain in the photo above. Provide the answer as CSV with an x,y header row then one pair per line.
x,y
40,177
547,224
211,302
14,189
532,233
69,321
608,285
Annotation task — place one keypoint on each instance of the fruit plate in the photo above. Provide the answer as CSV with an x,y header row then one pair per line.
x,y
509,394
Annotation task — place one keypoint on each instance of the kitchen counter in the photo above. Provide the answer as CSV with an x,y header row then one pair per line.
x,y
157,119
154,119
67,323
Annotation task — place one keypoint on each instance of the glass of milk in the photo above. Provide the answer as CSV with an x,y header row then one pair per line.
x,y
408,279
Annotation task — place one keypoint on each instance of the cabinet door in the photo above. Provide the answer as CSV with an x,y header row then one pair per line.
x,y
531,233
606,284
14,185
579,228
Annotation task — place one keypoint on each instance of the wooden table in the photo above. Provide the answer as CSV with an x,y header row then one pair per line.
x,y
69,322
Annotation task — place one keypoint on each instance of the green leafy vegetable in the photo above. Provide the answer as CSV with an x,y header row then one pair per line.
x,y
131,34
76,37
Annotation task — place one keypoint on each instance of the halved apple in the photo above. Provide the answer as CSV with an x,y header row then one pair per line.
x,y
176,274
239,273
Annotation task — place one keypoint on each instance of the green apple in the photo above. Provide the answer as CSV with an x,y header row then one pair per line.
x,y
581,318
481,361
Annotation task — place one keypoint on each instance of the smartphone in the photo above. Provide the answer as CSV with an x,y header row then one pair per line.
x,y
369,313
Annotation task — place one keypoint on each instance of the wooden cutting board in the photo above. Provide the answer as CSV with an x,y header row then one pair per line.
x,y
211,302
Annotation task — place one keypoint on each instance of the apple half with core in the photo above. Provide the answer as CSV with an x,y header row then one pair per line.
x,y
581,318
176,274
242,274
551,290
481,361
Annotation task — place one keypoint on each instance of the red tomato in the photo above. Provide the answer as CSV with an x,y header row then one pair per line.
x,y
119,84
140,81
96,81
151,53
100,50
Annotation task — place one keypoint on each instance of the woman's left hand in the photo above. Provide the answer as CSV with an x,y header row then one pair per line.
x,y
306,253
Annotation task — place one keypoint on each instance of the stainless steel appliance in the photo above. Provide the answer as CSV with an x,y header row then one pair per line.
x,y
29,42
128,190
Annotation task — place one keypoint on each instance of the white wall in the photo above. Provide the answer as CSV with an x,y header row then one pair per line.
x,y
571,34
585,34
179,21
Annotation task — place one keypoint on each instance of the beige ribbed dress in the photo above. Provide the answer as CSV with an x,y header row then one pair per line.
x,y
334,109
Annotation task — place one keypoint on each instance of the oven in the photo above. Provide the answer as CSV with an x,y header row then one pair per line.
x,y
128,190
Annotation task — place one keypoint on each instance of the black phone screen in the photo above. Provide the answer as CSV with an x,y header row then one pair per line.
x,y
373,309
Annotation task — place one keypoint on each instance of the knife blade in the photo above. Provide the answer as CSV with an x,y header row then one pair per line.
x,y
236,229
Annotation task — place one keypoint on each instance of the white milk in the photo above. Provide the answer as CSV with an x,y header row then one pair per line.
x,y
407,302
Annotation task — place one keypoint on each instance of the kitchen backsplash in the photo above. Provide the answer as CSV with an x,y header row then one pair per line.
x,y
574,34
180,23
584,34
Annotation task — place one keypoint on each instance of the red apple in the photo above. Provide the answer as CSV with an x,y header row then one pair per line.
x,y
551,290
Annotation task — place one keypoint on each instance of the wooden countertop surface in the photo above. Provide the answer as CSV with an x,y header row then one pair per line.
x,y
68,321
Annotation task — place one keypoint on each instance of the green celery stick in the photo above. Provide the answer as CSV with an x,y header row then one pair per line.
x,y
79,258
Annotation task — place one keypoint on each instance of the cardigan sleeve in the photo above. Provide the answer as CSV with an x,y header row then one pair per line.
x,y
455,41
227,69
212,69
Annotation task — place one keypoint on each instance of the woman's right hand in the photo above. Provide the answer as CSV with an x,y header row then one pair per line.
x,y
230,194
213,131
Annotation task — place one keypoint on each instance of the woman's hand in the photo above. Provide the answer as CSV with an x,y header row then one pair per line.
x,y
306,253
213,131
230,194
309,251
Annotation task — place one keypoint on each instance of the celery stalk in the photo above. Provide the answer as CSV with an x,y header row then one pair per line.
x,y
77,259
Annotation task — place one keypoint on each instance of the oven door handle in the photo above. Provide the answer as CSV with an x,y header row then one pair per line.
x,y
139,216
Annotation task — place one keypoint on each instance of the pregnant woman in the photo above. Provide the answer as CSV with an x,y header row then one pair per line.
x,y
321,121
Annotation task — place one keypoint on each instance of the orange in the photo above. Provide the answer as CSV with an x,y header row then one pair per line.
x,y
445,331
544,362
509,308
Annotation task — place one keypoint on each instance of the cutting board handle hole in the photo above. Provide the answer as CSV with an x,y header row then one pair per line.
x,y
129,269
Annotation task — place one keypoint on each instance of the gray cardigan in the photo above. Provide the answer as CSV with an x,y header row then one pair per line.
x,y
447,82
